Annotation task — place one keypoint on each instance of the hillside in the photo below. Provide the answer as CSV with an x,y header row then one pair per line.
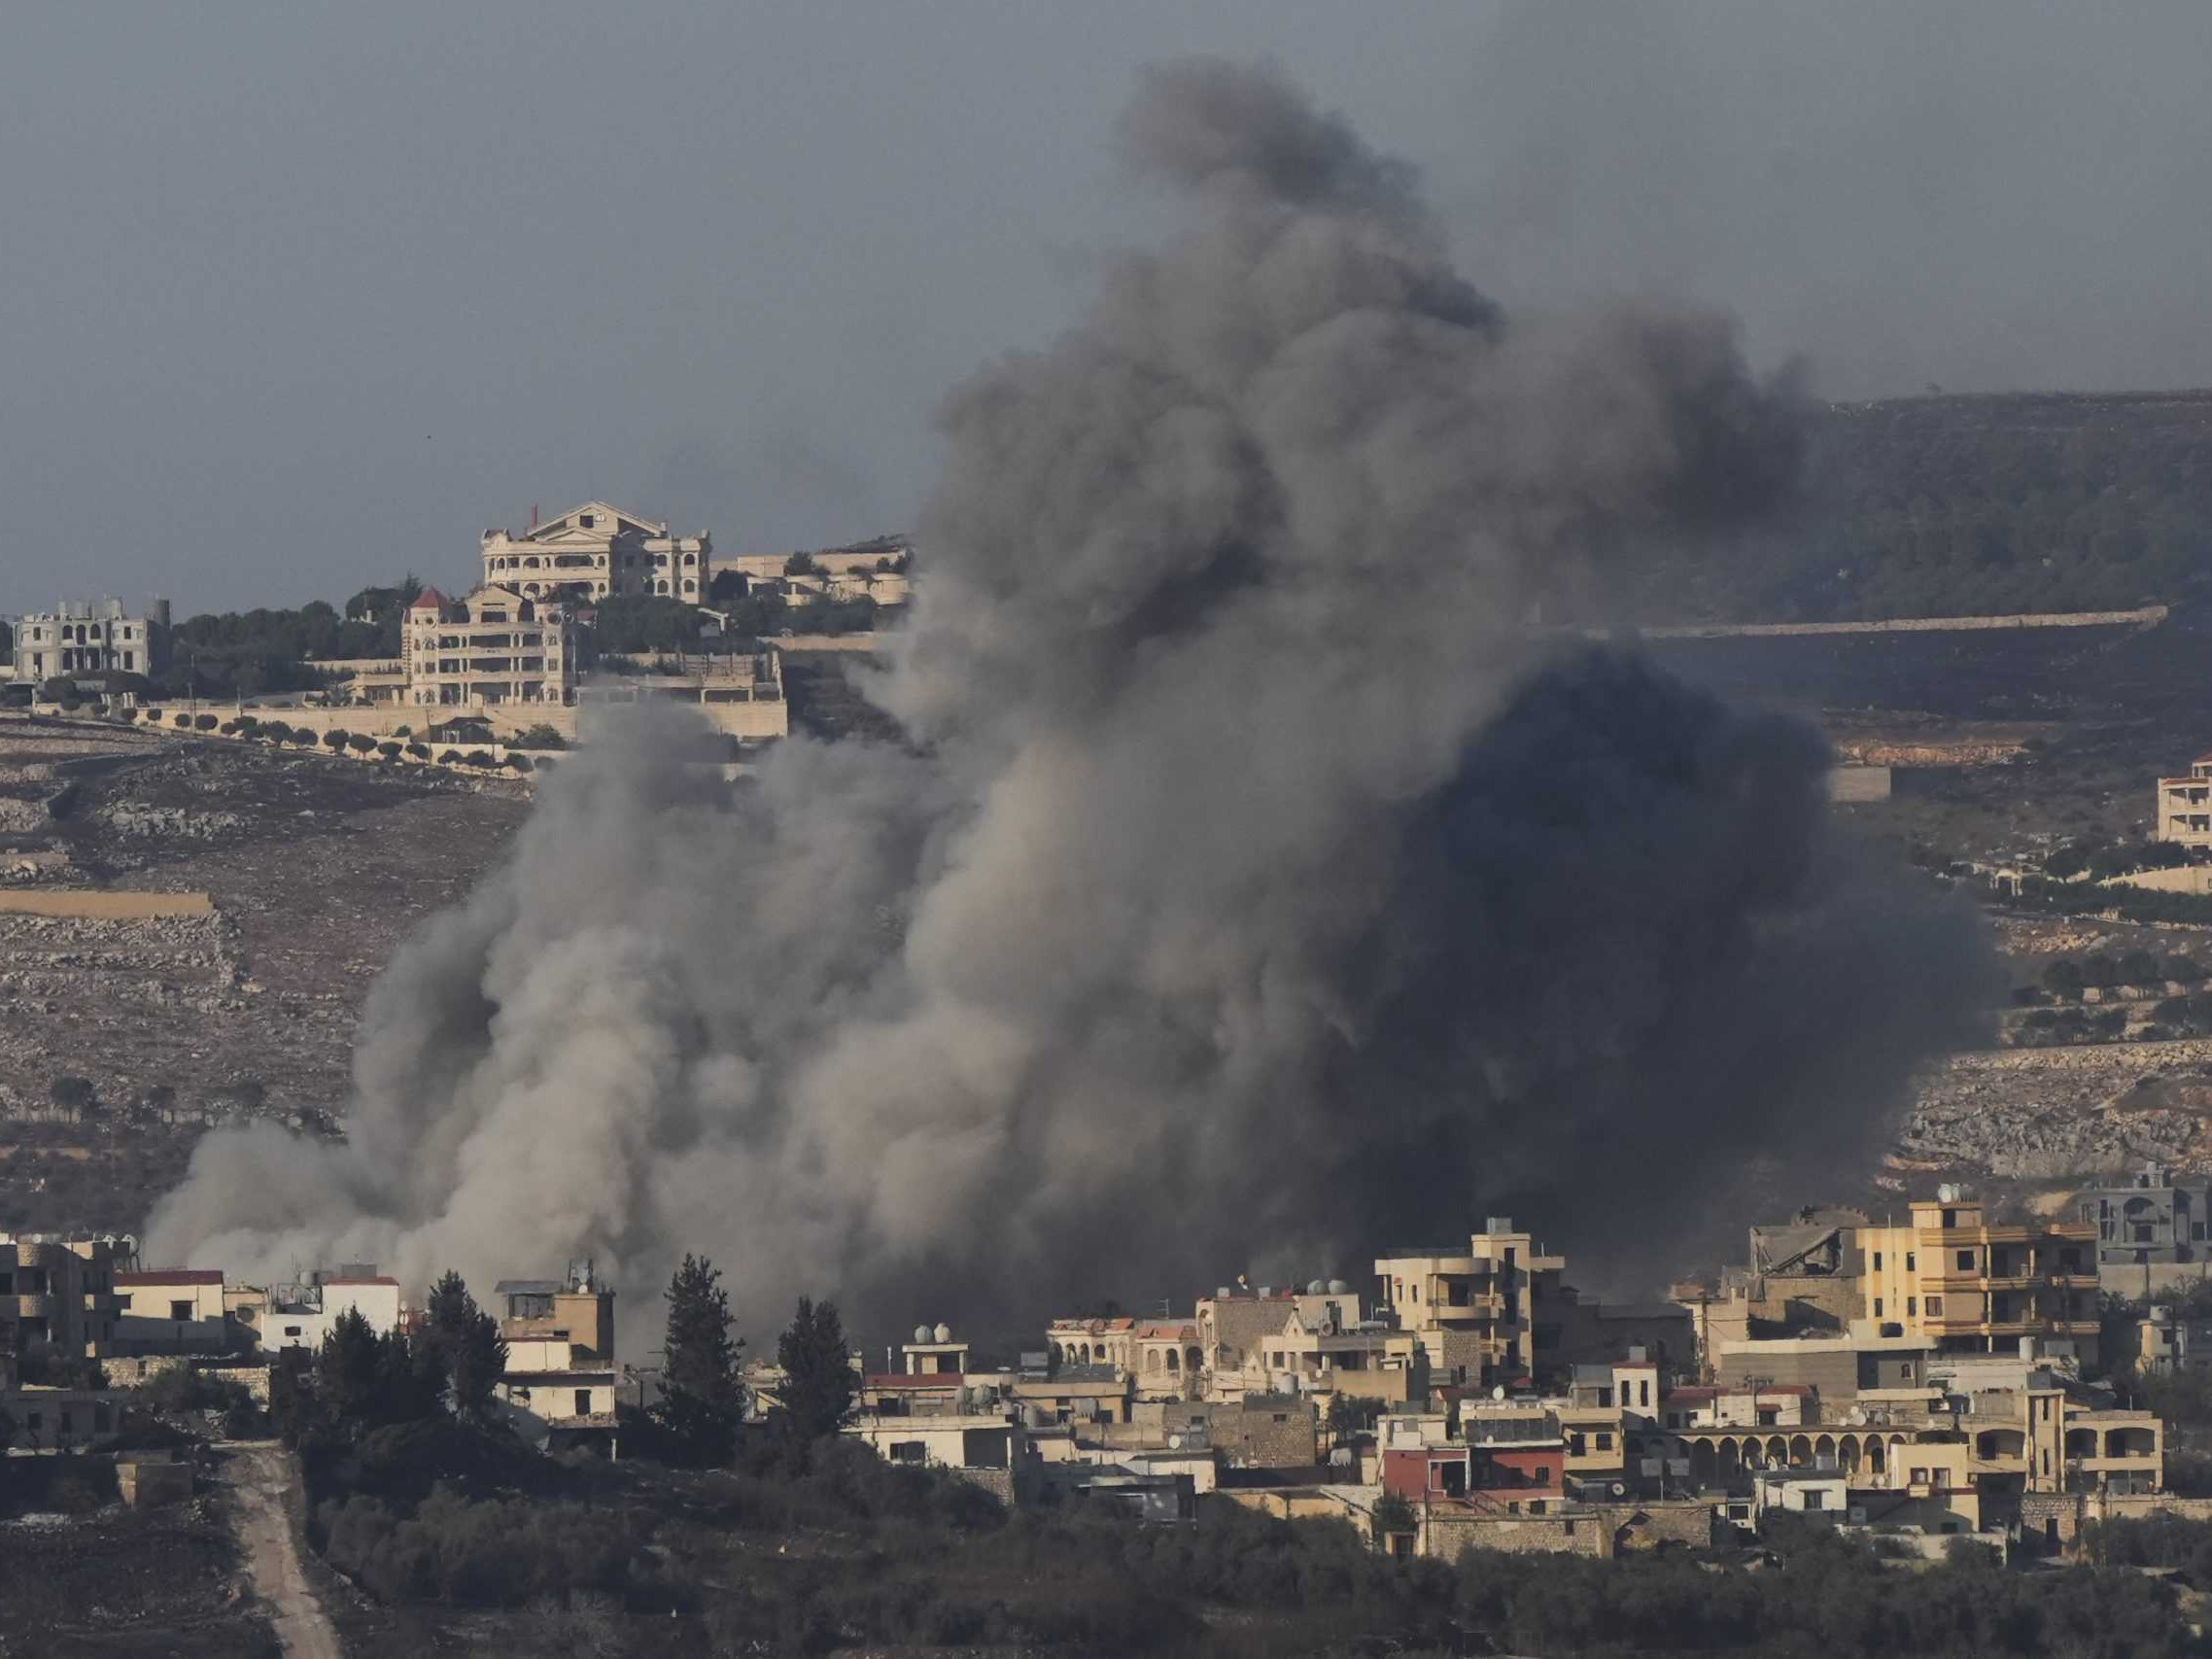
x,y
1957,505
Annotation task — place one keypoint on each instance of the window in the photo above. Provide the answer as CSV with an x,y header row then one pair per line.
x,y
1769,1417
1966,1261
179,1310
1815,1498
1878,1260
1950,1219
1644,1393
909,1452
1935,1311
1912,1308
587,520
1909,1264
292,1330
583,1403
1605,1442
1576,1446
1878,1307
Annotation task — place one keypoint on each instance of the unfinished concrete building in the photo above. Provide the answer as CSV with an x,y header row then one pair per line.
x,y
57,1293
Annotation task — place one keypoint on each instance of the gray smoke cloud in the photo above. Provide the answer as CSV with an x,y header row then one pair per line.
x,y
1258,887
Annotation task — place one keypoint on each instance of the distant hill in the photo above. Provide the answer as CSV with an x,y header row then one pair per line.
x,y
1958,506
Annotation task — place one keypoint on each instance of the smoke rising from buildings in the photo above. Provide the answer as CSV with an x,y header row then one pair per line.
x,y
1257,884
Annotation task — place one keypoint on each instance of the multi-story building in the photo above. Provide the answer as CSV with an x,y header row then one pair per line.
x,y
2150,1232
84,639
58,1292
1475,1311
496,646
1969,1284
1502,1312
2184,806
597,550
560,1381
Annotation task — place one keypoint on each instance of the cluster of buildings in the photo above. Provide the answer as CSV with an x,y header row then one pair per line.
x,y
84,1297
520,647
1920,1376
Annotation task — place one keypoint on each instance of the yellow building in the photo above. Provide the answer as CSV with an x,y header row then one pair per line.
x,y
1475,1311
1967,1286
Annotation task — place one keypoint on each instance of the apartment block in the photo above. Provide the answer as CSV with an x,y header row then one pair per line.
x,y
496,646
1970,1285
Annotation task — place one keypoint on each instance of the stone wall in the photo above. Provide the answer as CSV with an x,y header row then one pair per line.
x,y
1265,1431
1447,1534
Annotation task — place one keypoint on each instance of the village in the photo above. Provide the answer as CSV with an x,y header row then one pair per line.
x,y
1944,1375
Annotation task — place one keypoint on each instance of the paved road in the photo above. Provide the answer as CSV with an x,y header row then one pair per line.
x,y
261,1474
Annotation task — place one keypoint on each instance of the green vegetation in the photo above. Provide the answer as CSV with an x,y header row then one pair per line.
x,y
817,1372
1949,507
2124,904
700,1398
245,653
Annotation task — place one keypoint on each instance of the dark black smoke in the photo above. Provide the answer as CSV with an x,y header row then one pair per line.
x,y
1264,892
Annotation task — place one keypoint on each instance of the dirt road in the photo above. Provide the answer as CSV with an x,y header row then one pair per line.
x,y
261,1480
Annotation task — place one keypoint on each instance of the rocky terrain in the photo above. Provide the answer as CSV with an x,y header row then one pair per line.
x,y
306,872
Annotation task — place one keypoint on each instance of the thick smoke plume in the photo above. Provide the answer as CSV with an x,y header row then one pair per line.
x,y
1258,889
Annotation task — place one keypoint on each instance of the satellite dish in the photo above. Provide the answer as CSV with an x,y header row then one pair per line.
x,y
944,1334
1337,1287
1620,1489
1497,1392
922,1333
1319,1287
1175,1442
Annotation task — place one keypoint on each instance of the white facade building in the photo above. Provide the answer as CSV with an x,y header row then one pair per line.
x,y
89,638
594,550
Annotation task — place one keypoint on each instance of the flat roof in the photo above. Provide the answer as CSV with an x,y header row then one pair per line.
x,y
174,1276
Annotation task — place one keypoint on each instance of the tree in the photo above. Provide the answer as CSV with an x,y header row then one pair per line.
x,y
817,1372
333,739
204,723
388,751
74,1095
1393,1517
361,743
349,1371
802,564
701,1396
466,1341
2061,977
478,757
418,751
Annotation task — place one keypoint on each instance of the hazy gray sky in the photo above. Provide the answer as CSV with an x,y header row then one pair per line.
x,y
294,299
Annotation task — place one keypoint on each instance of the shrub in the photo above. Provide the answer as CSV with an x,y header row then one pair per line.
x,y
362,743
205,722
388,751
450,757
478,757
418,751
333,739
183,722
